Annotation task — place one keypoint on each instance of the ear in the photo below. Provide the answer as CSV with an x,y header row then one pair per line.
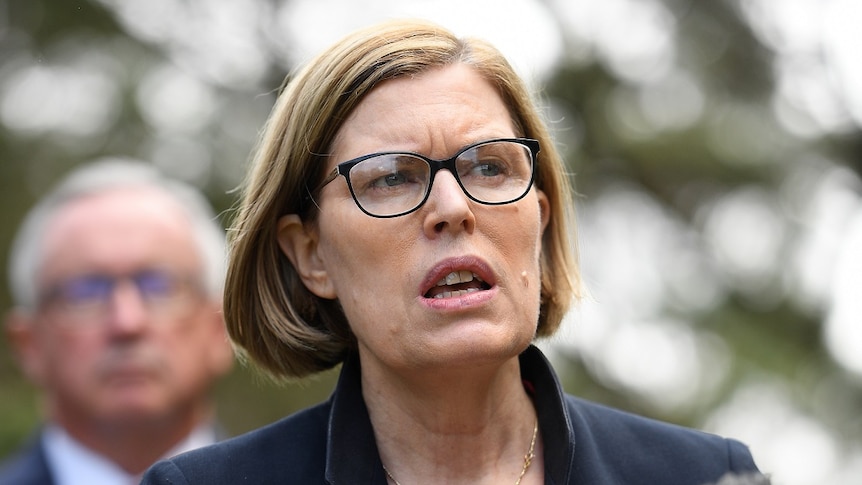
x,y
299,243
544,209
21,333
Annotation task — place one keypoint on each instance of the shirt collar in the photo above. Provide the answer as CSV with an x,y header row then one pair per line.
x,y
72,463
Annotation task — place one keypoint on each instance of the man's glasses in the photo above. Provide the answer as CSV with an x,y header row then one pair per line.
x,y
392,184
163,293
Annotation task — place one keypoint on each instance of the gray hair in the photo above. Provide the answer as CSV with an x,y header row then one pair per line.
x,y
25,258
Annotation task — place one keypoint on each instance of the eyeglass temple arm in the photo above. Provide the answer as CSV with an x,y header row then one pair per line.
x,y
329,178
309,194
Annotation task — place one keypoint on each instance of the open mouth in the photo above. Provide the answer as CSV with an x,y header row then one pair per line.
x,y
457,283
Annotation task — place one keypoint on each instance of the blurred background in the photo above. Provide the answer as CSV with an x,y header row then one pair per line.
x,y
715,147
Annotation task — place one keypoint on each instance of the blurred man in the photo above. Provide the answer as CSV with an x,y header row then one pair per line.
x,y
117,278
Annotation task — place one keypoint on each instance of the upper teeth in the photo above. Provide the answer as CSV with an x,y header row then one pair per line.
x,y
456,277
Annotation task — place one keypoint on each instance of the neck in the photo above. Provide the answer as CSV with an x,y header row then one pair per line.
x,y
460,427
135,445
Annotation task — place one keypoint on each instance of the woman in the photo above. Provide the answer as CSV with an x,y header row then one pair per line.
x,y
407,216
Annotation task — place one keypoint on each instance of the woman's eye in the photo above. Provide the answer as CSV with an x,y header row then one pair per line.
x,y
489,169
389,180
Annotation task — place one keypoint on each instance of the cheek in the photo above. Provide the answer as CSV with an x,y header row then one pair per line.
x,y
361,274
361,254
521,242
521,233
182,357
67,358
188,341
372,270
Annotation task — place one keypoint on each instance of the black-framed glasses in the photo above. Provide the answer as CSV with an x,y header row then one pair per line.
x,y
89,296
392,184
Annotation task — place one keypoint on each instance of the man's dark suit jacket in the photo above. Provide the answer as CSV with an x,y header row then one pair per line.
x,y
584,443
27,467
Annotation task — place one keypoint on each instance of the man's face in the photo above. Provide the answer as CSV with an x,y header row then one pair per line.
x,y
124,331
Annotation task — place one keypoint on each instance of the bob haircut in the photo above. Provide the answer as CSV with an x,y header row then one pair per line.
x,y
270,315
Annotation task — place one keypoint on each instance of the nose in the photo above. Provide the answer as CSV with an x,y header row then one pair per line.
x,y
128,313
447,209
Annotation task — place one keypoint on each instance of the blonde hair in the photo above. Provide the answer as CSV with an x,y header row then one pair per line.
x,y
270,314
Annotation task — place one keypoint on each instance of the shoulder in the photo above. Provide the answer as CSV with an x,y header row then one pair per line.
x,y
25,467
291,450
636,448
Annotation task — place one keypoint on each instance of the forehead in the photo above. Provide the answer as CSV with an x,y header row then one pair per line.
x,y
117,230
438,109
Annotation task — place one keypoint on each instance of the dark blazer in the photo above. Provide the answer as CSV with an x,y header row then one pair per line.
x,y
584,443
27,467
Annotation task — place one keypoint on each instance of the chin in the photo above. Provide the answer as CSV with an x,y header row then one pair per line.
x,y
483,348
142,417
135,405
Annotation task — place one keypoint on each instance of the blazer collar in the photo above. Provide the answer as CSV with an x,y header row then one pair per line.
x,y
352,455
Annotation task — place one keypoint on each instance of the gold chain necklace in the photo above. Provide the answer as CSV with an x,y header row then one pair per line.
x,y
528,459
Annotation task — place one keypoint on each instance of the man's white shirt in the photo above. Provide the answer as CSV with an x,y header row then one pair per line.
x,y
72,463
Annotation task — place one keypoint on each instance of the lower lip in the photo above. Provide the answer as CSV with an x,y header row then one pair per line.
x,y
467,301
